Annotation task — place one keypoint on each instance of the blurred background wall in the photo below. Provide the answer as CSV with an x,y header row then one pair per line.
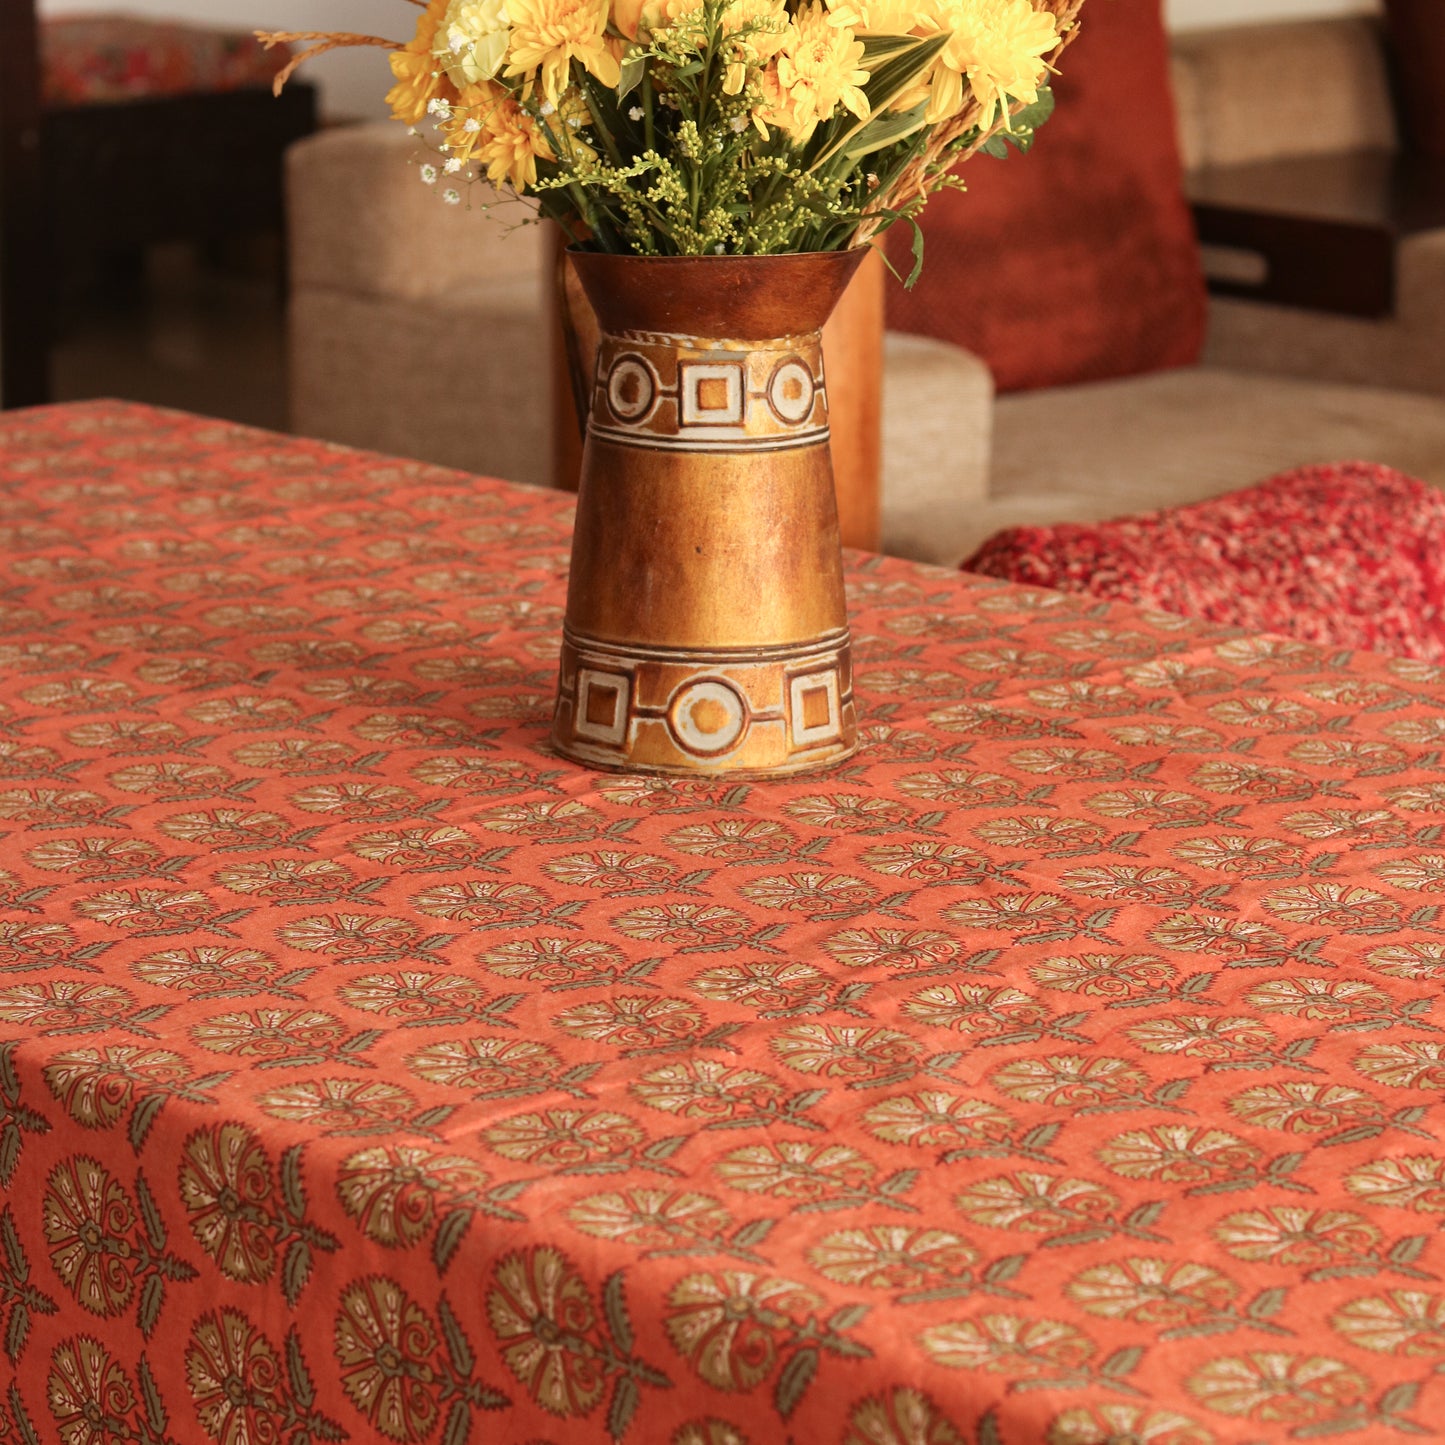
x,y
353,82
1196,14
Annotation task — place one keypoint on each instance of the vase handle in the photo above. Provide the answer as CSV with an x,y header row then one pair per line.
x,y
580,336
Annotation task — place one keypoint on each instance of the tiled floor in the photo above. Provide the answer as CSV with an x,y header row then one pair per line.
x,y
202,335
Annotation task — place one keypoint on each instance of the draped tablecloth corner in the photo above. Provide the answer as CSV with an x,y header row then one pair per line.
x,y
1066,1069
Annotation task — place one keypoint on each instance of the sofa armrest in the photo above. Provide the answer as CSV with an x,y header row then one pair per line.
x,y
360,220
937,446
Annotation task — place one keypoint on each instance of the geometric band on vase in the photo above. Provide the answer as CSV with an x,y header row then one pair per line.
x,y
764,710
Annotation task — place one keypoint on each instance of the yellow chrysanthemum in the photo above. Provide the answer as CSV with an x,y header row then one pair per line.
x,y
878,17
818,68
488,127
997,46
548,35
471,41
417,82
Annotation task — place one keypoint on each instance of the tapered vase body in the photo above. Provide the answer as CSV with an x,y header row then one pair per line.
x,y
706,629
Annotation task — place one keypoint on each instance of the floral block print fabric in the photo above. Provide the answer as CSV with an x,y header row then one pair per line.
x,y
1068,1068
1343,556
87,59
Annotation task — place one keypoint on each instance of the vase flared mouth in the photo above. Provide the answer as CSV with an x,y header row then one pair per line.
x,y
790,294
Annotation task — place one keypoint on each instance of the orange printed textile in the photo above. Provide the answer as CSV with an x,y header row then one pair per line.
x,y
1065,1069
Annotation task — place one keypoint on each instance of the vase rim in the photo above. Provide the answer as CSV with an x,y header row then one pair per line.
x,y
791,294
573,248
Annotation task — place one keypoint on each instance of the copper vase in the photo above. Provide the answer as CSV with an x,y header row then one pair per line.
x,y
706,628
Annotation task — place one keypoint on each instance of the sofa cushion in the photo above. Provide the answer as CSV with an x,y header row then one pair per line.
x,y
1077,262
1351,555
88,59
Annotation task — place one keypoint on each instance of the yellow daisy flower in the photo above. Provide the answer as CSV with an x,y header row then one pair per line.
x,y
818,68
417,83
487,126
997,46
548,35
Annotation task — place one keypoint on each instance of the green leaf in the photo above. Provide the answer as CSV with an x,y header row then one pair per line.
x,y
457,1347
1399,1397
22,1420
295,1270
1407,1250
794,1381
755,1231
884,47
459,1424
634,67
156,1416
1266,1304
1122,1363
614,1306
1024,124
1145,1215
899,1183
450,1233
292,1190
302,1386
917,270
848,1318
152,1297
626,1397
155,1226
14,1250
1004,1268
16,1331
888,129
10,1143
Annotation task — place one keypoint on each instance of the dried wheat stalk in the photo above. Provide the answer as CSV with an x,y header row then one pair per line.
x,y
329,40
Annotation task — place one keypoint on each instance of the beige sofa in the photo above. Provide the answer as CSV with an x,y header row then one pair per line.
x,y
419,328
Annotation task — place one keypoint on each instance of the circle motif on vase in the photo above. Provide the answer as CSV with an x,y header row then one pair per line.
x,y
707,717
791,390
631,388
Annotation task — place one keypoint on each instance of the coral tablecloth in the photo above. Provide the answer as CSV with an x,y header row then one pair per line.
x,y
1066,1069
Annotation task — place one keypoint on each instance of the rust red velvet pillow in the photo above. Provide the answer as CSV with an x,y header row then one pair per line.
x,y
1078,261
1345,556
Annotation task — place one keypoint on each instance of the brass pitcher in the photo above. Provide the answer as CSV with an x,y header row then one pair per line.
x,y
706,629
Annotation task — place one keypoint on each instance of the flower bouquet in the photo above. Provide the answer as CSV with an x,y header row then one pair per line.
x,y
719,167
727,127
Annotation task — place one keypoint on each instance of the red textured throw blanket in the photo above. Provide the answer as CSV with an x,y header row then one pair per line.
x,y
1351,555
